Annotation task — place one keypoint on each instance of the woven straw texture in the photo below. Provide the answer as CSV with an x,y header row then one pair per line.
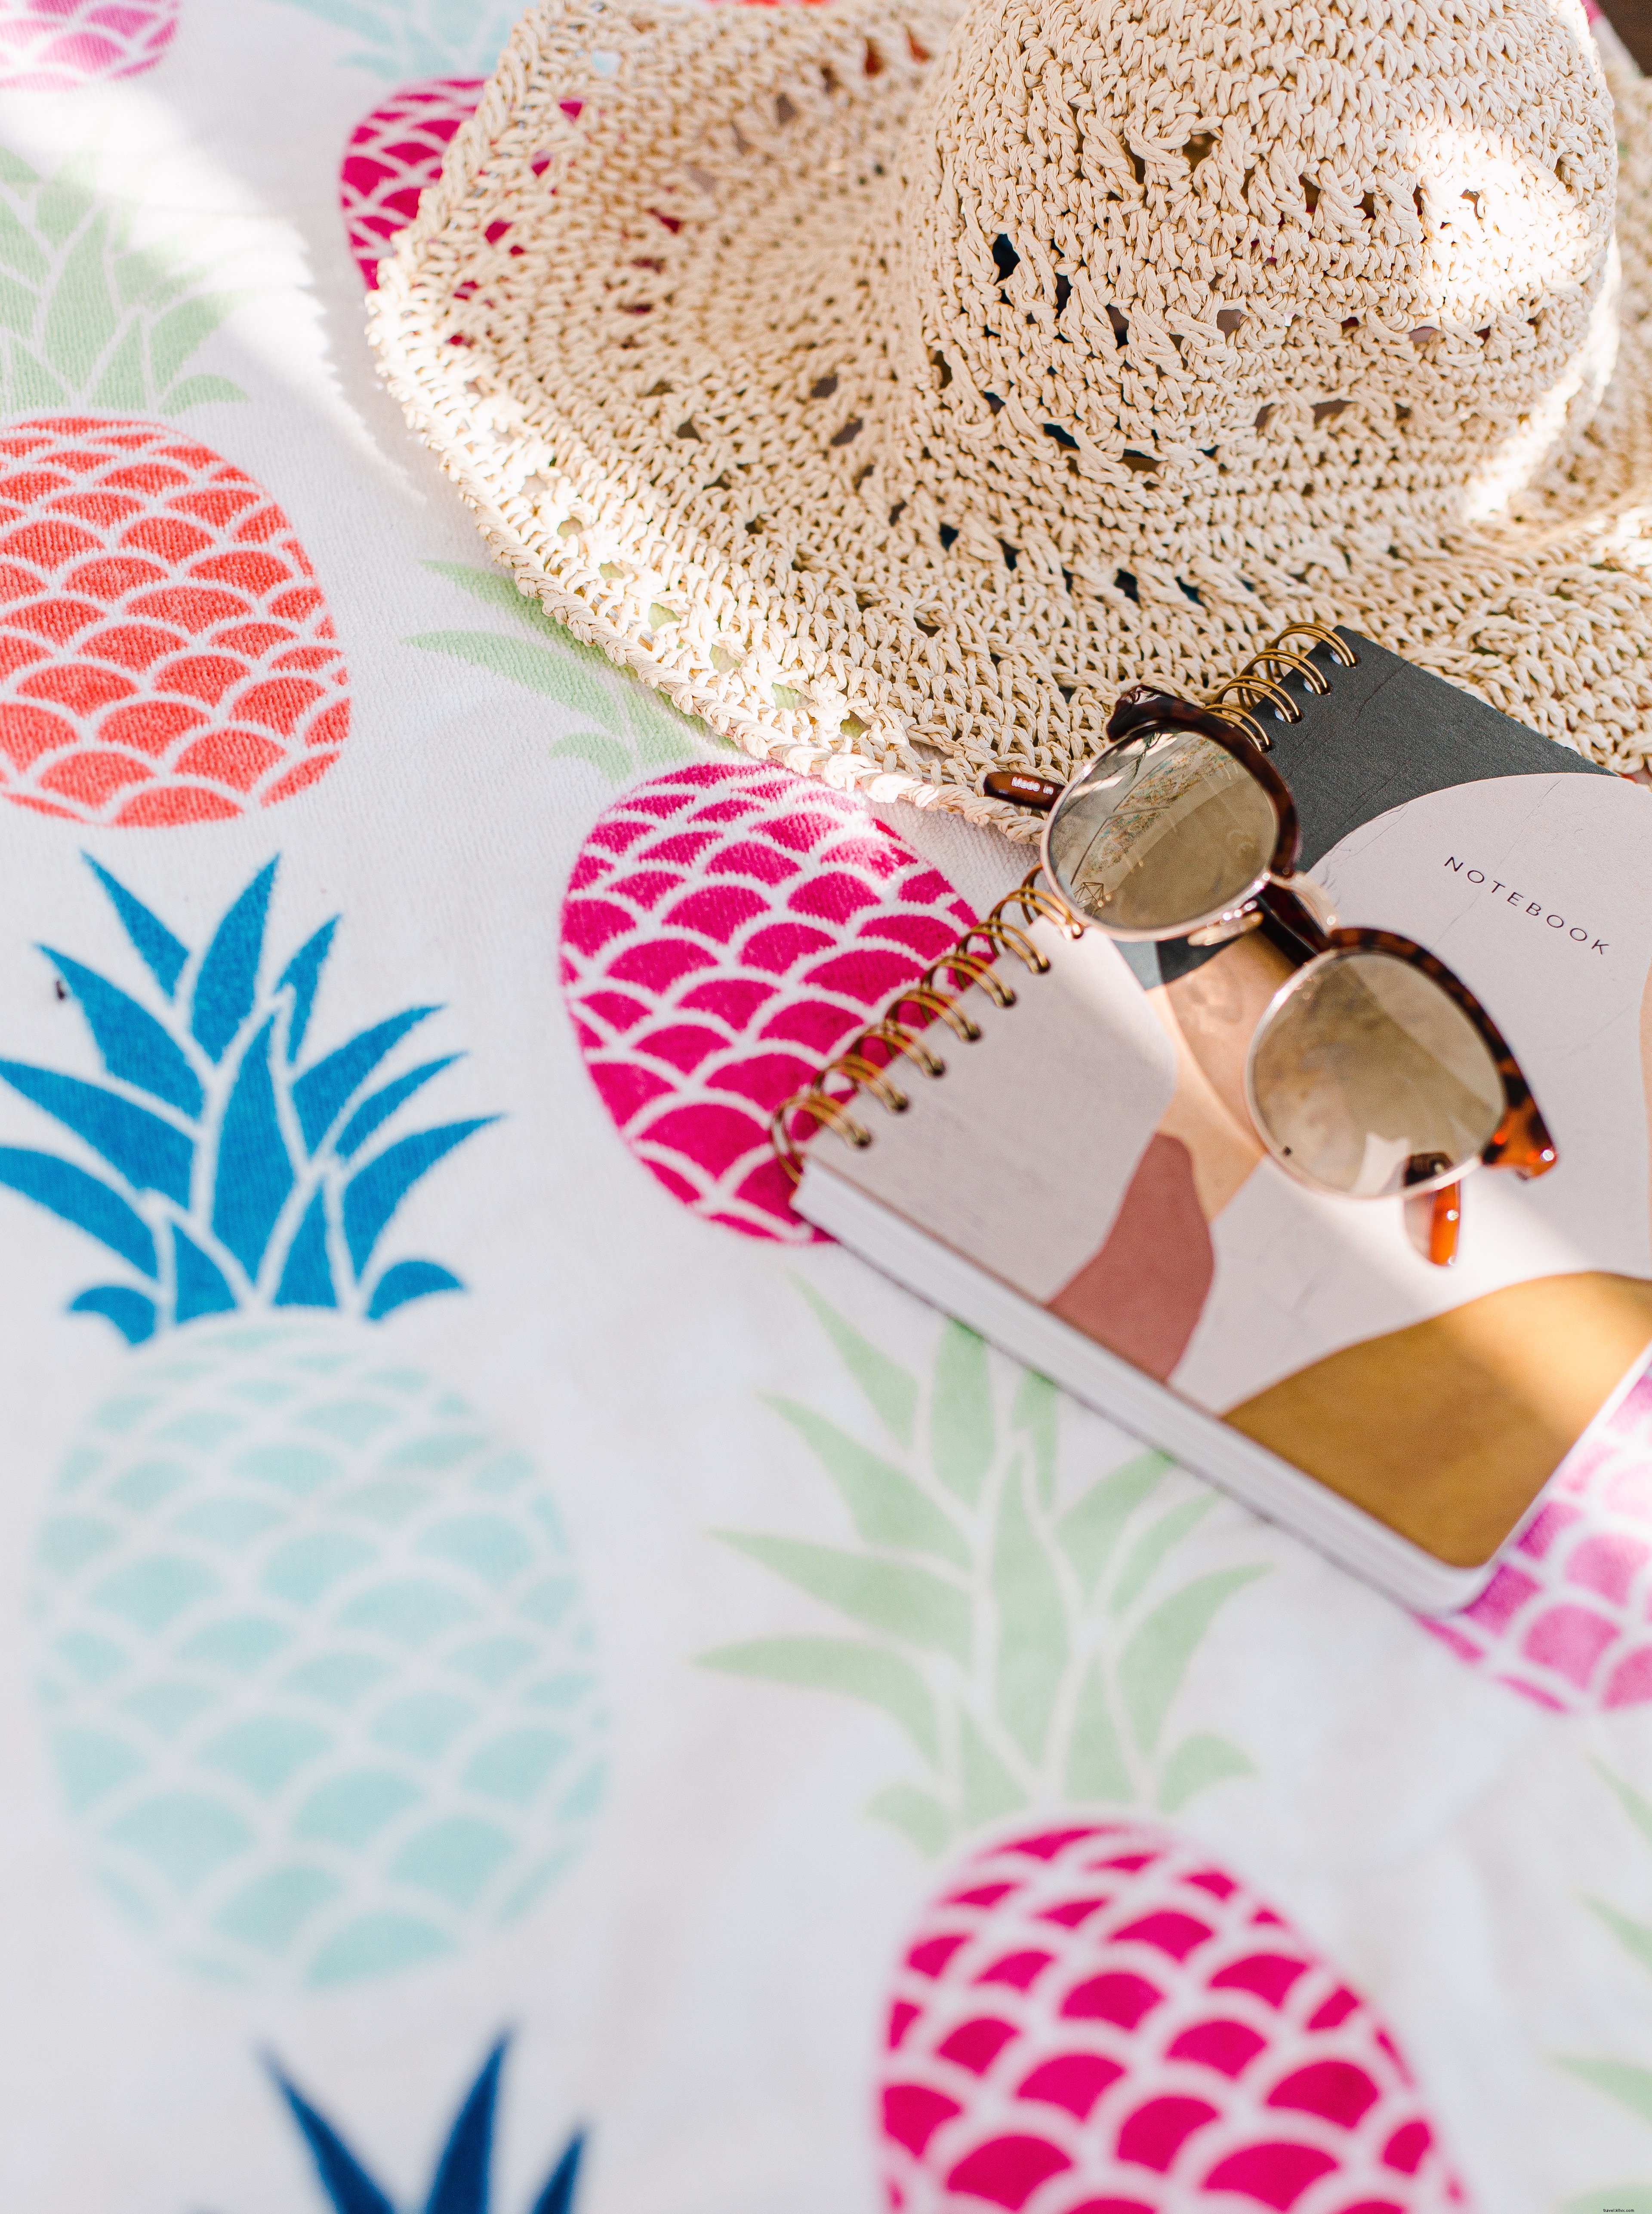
x,y
890,386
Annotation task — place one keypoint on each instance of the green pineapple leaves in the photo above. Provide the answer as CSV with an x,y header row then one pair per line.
x,y
233,1177
89,318
1032,1653
463,2182
636,731
1626,2083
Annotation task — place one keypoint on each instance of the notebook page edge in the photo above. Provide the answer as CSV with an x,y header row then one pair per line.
x,y
937,1273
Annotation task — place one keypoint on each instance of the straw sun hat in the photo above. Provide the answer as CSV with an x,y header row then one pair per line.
x,y
891,385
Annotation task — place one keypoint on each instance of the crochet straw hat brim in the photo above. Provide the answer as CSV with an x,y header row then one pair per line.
x,y
892,386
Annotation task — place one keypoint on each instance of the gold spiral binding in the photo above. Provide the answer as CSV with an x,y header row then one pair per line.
x,y
1259,679
937,1003
1257,682
830,1110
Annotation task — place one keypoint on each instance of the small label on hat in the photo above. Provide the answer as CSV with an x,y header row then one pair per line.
x,y
1021,786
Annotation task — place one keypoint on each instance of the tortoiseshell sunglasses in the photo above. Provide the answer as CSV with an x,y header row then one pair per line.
x,y
1374,1072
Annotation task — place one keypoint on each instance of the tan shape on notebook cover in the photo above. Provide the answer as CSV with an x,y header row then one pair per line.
x,y
1211,1123
1143,1294
1447,1430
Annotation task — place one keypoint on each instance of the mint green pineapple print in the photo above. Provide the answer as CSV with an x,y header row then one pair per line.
x,y
631,731
314,1658
1031,1645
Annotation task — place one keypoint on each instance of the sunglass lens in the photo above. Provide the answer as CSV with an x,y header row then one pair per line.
x,y
1368,1079
1159,835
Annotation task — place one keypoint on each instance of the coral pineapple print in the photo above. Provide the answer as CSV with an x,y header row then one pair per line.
x,y
1097,2020
315,1662
166,655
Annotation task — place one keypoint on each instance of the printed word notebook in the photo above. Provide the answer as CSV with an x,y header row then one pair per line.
x,y
1083,1186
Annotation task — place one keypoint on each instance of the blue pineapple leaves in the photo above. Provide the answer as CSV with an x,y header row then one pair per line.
x,y
163,955
229,976
76,1197
133,1315
200,1288
307,1278
557,2196
374,1193
322,1092
346,2183
135,1047
409,1280
463,2179
150,1154
302,973
254,1175
461,2174
379,1106
238,1178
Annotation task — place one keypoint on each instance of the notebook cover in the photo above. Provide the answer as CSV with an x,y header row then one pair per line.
x,y
1141,1210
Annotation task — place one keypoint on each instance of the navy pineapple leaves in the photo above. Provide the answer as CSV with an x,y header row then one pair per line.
x,y
233,1174
462,2181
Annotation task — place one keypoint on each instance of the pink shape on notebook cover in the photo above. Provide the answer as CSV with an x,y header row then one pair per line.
x,y
1143,1294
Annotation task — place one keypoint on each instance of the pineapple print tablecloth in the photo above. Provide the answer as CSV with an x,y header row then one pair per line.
x,y
527,1684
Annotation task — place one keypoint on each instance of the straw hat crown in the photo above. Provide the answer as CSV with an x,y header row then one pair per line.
x,y
1142,257
893,382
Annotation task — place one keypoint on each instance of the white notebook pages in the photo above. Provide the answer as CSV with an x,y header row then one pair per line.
x,y
1083,1186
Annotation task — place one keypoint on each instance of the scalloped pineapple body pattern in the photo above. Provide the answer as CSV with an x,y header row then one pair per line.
x,y
58,46
1099,2020
727,929
1567,1619
166,655
315,1665
315,1661
393,154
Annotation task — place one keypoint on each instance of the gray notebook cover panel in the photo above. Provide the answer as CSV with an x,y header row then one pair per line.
x,y
1386,732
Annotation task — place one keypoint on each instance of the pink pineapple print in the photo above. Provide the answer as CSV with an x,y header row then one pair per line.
x,y
1097,2020
727,928
58,46
399,149
1567,1619
393,154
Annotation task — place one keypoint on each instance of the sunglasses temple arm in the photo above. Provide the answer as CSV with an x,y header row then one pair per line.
x,y
1521,1142
1434,1222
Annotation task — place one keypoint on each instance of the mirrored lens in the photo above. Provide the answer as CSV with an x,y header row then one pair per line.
x,y
1159,835
1368,1078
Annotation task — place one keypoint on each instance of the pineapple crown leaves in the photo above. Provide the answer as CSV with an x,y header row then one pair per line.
x,y
638,732
462,2181
1031,1652
242,1176
87,315
405,39
1624,2081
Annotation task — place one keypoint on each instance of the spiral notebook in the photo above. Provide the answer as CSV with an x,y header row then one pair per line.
x,y
1082,1185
